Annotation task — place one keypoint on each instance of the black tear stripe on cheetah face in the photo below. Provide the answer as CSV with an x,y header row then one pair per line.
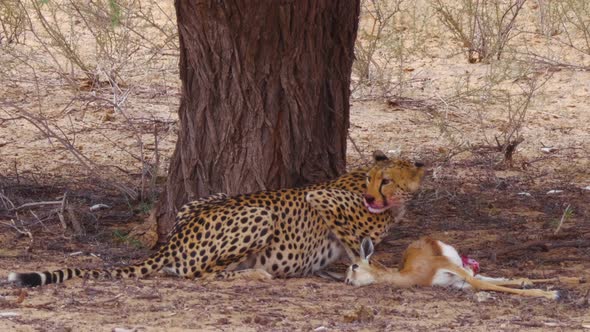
x,y
283,233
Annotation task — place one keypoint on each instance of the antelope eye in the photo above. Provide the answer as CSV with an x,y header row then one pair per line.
x,y
354,267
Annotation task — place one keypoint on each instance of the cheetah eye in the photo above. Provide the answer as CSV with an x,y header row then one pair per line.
x,y
354,267
385,182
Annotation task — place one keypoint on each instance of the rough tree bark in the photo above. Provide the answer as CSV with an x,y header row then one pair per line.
x,y
265,96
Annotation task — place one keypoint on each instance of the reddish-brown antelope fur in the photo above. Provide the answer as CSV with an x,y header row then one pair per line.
x,y
429,262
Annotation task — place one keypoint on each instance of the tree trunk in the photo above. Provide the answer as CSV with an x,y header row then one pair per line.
x,y
265,96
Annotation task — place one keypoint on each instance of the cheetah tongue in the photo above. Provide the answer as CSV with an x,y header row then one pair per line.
x,y
377,210
389,204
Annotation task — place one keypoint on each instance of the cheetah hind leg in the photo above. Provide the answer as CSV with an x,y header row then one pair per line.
x,y
195,206
224,245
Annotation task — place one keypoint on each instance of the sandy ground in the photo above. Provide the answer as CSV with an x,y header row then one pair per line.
x,y
478,209
502,215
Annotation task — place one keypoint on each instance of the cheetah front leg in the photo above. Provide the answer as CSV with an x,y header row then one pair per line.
x,y
346,216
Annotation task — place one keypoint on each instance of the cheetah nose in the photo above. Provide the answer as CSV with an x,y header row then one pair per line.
x,y
369,198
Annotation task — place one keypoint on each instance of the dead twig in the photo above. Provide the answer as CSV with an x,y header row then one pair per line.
x,y
40,222
356,148
60,213
34,204
8,205
565,214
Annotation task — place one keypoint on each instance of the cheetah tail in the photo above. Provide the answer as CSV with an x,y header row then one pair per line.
x,y
32,279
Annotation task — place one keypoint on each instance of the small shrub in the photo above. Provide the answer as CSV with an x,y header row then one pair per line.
x,y
12,22
389,33
482,27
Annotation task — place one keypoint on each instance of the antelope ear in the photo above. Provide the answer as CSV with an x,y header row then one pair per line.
x,y
367,248
378,155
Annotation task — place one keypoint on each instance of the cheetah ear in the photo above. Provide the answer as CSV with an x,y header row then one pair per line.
x,y
367,249
378,155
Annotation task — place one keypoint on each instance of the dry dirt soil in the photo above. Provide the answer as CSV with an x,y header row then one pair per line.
x,y
530,218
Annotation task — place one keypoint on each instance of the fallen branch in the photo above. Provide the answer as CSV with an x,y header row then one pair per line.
x,y
544,245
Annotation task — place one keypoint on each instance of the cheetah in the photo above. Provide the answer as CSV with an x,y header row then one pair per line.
x,y
271,234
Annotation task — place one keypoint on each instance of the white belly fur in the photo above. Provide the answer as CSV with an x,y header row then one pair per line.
x,y
447,278
451,253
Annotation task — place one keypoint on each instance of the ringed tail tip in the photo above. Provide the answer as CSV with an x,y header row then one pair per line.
x,y
13,277
27,279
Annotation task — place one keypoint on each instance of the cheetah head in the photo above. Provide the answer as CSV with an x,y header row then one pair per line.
x,y
390,182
